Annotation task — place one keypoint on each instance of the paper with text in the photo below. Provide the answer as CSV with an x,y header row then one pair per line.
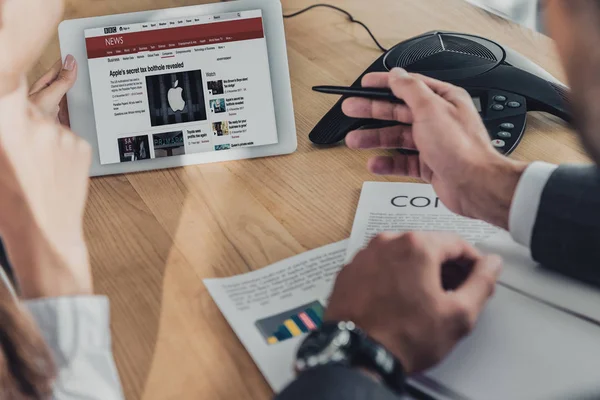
x,y
270,310
518,350
404,207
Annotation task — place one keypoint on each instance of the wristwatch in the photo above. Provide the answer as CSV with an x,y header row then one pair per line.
x,y
343,343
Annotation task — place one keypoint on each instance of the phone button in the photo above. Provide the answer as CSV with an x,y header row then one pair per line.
x,y
514,104
504,135
500,99
507,125
498,107
498,143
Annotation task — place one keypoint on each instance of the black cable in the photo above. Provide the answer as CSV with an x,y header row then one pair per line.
x,y
350,17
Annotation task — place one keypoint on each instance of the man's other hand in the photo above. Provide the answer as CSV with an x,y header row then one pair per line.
x,y
456,155
394,291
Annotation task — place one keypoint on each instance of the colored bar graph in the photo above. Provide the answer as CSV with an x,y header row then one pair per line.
x,y
307,321
292,324
292,327
300,323
283,333
314,316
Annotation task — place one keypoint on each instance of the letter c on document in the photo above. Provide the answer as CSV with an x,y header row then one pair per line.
x,y
395,201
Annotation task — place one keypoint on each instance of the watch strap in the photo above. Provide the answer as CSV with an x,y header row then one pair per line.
x,y
349,346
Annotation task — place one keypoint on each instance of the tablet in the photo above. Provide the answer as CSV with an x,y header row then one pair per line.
x,y
181,86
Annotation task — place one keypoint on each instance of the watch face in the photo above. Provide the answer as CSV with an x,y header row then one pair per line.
x,y
317,341
342,343
329,343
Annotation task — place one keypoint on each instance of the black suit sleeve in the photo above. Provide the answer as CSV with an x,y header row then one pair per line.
x,y
335,382
566,235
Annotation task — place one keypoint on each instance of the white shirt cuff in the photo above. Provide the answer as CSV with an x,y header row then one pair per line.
x,y
77,329
525,204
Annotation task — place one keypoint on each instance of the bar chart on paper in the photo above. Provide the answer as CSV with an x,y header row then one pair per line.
x,y
292,323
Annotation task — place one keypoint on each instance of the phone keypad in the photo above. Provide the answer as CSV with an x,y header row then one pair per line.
x,y
505,119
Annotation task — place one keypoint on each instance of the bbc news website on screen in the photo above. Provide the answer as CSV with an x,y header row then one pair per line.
x,y
184,86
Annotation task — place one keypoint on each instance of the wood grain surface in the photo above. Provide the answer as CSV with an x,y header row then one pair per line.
x,y
154,236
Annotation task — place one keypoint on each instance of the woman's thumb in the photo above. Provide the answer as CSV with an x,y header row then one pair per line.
x,y
48,99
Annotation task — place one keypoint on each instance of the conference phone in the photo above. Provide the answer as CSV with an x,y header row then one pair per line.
x,y
503,84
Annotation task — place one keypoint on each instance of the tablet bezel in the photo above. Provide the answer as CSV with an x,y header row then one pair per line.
x,y
81,110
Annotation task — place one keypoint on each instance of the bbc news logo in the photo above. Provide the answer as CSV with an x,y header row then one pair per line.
x,y
108,31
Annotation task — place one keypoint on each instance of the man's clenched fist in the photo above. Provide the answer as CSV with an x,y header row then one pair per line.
x,y
394,291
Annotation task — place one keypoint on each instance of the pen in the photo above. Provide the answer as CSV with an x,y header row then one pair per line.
x,y
367,93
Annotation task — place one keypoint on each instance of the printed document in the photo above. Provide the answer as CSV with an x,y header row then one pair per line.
x,y
518,350
272,309
402,207
405,207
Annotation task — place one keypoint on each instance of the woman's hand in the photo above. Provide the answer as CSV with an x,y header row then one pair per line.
x,y
43,190
44,179
48,93
26,27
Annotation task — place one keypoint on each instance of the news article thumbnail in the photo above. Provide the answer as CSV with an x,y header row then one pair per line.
x,y
221,128
176,98
216,88
134,148
218,106
168,144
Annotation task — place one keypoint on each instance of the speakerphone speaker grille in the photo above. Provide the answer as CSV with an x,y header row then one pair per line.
x,y
465,46
424,49
440,43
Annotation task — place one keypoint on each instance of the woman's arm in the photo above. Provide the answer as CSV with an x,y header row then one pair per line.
x,y
44,239
43,192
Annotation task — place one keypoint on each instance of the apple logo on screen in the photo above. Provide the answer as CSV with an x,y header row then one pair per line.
x,y
175,97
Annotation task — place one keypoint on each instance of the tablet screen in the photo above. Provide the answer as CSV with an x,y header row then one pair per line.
x,y
184,86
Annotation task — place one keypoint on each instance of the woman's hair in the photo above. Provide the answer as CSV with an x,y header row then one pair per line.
x,y
27,371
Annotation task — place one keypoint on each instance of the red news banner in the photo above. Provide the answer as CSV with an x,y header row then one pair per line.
x,y
174,38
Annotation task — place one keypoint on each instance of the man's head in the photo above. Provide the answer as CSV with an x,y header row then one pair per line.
x,y
575,26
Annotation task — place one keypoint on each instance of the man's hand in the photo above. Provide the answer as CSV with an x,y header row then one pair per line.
x,y
394,291
456,155
48,93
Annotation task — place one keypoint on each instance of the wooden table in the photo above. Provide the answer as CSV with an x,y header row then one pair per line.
x,y
154,236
